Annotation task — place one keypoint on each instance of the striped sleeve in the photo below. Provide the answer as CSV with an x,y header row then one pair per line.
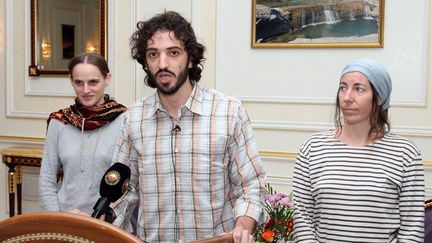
x,y
303,201
124,153
411,200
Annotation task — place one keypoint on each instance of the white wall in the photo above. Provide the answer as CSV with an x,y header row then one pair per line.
x,y
289,92
282,118
310,76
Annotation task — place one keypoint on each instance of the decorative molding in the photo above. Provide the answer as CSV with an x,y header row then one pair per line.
x,y
420,103
2,46
264,153
278,154
110,14
196,16
291,126
26,114
316,127
133,66
9,56
10,112
285,100
28,91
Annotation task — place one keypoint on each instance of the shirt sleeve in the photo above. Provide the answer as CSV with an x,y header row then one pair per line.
x,y
126,154
246,171
303,200
49,168
411,201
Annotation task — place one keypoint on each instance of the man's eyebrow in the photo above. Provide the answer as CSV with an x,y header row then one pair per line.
x,y
174,47
169,48
150,49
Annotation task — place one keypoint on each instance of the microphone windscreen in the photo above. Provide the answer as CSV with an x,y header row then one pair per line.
x,y
112,183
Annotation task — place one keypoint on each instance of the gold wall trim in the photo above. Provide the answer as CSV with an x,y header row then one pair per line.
x,y
266,153
427,163
278,154
22,139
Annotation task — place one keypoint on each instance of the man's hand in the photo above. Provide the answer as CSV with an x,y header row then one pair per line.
x,y
243,229
242,236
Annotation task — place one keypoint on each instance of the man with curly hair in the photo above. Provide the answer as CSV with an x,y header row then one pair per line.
x,y
191,150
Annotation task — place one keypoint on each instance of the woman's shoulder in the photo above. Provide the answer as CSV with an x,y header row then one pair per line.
x,y
55,124
400,142
118,121
57,128
319,139
322,136
121,116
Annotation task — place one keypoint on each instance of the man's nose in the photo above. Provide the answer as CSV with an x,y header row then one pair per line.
x,y
163,61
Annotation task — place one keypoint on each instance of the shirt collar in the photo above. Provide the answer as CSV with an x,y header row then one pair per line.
x,y
193,104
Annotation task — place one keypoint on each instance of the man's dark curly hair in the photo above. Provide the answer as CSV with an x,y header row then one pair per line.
x,y
168,21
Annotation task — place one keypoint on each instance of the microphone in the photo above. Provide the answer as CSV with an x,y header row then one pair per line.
x,y
114,184
176,129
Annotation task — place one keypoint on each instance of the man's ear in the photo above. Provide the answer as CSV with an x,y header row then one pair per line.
x,y
190,63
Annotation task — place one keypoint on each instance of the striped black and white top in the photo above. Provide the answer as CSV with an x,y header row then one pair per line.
x,y
373,193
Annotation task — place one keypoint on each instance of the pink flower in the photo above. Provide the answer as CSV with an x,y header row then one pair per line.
x,y
286,202
273,198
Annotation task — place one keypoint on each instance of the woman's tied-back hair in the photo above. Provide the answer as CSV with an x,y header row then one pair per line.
x,y
90,58
168,21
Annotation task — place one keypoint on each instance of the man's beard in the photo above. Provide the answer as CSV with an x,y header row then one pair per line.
x,y
168,89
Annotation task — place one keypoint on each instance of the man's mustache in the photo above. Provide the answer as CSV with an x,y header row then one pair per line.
x,y
165,71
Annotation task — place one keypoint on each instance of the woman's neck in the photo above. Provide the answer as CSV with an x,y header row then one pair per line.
x,y
356,135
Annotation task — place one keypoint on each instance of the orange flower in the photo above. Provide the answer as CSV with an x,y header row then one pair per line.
x,y
268,235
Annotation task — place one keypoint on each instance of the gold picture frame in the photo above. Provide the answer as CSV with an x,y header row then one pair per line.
x,y
48,52
317,24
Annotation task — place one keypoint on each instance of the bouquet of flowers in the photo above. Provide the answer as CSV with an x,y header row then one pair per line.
x,y
280,226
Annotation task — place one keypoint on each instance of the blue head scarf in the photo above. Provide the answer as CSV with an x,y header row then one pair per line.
x,y
377,76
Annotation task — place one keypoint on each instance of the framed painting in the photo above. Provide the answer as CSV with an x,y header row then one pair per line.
x,y
68,41
317,23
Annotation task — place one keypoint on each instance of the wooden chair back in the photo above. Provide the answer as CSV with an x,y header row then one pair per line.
x,y
60,227
428,221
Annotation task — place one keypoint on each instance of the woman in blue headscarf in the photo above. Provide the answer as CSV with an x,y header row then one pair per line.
x,y
359,182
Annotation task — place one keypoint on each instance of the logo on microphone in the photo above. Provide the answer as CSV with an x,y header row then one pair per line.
x,y
112,177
